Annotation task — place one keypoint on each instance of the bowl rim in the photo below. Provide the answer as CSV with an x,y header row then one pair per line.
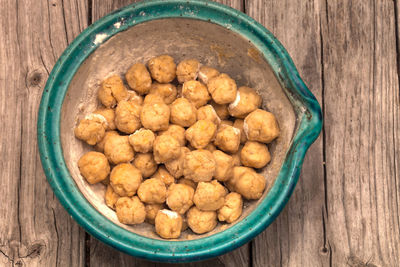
x,y
308,114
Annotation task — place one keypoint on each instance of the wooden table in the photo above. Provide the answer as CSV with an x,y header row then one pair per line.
x,y
345,209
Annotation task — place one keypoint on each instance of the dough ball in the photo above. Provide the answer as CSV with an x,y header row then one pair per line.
x,y
261,126
125,179
187,70
183,112
180,197
176,131
168,224
228,138
255,154
199,165
232,208
207,112
151,212
162,68
118,150
210,147
145,163
222,89
112,90
166,90
195,92
109,115
153,99
224,166
100,145
91,129
166,148
152,191
209,195
207,73
201,133
222,110
94,167
175,166
226,122
201,221
127,116
155,116
142,140
134,97
138,78
248,183
239,125
188,182
111,197
247,100
130,210
164,176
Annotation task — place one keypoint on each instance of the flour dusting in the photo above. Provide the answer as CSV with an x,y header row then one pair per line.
x,y
100,38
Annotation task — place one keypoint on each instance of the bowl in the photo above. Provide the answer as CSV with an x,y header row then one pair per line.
x,y
214,34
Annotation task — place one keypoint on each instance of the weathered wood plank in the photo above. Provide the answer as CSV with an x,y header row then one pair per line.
x,y
297,238
362,132
102,255
34,230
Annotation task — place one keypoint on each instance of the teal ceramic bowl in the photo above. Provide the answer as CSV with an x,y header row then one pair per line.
x,y
214,34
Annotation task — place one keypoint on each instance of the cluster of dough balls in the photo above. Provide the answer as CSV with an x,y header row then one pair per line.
x,y
177,146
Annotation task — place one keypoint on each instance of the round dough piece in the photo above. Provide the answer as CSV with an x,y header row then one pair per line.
x,y
175,166
227,138
222,110
238,123
145,163
153,99
247,100
109,115
232,208
261,126
195,92
199,165
207,73
164,176
183,112
111,197
167,91
201,133
142,140
168,224
100,145
127,116
166,148
200,221
152,191
112,90
176,131
224,166
255,154
207,112
130,210
118,150
248,183
187,70
91,129
125,179
180,197
151,212
138,78
209,195
222,88
155,116
162,68
94,167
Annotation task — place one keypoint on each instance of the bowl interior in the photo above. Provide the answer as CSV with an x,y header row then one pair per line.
x,y
209,43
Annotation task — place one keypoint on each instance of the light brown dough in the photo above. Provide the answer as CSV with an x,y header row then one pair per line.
x,y
130,210
138,78
125,179
94,167
261,126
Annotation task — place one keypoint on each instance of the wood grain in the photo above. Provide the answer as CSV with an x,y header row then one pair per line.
x,y
362,132
35,230
297,238
102,255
